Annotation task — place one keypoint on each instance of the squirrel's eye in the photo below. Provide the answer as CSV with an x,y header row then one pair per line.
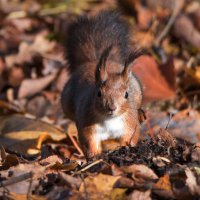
x,y
126,95
99,93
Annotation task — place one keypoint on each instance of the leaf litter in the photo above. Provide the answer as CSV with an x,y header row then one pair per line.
x,y
40,154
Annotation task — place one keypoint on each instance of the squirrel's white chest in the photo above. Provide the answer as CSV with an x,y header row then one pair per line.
x,y
110,128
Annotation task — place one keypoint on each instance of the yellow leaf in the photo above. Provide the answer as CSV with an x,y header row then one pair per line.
x,y
25,197
101,186
163,183
23,141
66,167
43,137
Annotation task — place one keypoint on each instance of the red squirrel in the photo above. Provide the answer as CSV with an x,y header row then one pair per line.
x,y
102,95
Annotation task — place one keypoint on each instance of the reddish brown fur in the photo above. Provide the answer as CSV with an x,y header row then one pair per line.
x,y
96,92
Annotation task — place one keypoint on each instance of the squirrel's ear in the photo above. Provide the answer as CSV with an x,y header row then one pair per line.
x,y
134,55
101,74
125,73
131,57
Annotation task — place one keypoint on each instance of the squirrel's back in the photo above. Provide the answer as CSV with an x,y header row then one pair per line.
x,y
87,38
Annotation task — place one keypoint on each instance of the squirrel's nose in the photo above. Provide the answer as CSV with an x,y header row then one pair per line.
x,y
112,107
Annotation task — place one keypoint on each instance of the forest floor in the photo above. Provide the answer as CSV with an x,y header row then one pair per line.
x,y
40,157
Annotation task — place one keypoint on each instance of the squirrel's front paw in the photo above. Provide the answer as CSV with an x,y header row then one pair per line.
x,y
141,115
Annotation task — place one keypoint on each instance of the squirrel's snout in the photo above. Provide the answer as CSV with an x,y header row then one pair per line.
x,y
112,107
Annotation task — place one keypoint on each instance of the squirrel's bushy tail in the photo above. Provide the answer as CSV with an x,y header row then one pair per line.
x,y
88,37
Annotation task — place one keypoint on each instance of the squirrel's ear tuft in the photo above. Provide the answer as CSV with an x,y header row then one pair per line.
x,y
125,73
130,58
133,55
101,74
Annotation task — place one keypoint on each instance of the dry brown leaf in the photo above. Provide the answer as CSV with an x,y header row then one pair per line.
x,y
163,187
17,137
160,161
163,183
158,81
21,169
195,154
23,141
30,87
17,122
2,66
140,195
73,182
184,124
124,182
3,154
190,33
101,186
41,46
194,72
191,182
140,172
51,160
65,167
167,137
144,17
144,39
43,137
25,196
10,160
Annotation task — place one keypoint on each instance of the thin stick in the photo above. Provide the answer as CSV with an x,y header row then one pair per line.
x,y
29,188
177,8
16,179
90,165
75,144
170,118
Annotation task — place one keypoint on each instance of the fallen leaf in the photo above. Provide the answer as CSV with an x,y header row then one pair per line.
x,y
140,195
51,160
160,161
163,187
3,154
64,166
184,124
101,186
162,85
140,172
73,182
195,154
19,134
163,183
25,196
41,45
193,72
191,182
190,33
30,87
20,169
43,137
10,160
144,39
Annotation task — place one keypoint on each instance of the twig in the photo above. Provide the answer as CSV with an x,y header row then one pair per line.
x,y
90,165
74,143
170,118
16,179
177,8
29,188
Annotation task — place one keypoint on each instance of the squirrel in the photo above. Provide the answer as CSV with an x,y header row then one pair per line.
x,y
102,96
